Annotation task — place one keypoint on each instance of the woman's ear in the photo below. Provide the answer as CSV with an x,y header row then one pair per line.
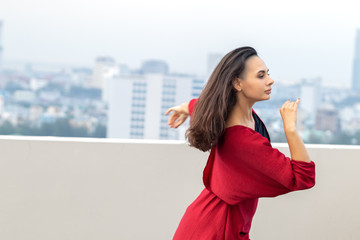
x,y
236,84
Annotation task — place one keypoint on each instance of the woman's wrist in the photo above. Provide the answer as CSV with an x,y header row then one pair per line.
x,y
185,108
290,129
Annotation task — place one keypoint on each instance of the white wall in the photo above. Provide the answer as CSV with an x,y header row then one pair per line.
x,y
78,188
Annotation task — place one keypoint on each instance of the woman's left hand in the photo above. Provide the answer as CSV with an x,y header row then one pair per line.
x,y
179,116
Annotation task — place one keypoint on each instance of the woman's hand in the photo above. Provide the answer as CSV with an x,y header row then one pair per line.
x,y
288,113
180,114
297,148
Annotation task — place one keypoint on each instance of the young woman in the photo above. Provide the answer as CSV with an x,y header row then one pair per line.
x,y
242,165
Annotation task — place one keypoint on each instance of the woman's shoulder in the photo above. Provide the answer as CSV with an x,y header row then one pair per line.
x,y
239,130
241,134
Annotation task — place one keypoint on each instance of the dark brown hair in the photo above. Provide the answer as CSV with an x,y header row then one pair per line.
x,y
216,100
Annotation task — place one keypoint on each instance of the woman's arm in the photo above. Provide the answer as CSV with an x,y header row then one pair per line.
x,y
180,113
297,148
179,116
247,166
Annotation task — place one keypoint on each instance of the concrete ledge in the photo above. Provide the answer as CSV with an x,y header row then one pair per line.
x,y
86,188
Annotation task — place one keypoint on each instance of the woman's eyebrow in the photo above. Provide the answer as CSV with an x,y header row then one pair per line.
x,y
263,71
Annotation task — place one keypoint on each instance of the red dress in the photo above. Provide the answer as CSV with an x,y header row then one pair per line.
x,y
241,168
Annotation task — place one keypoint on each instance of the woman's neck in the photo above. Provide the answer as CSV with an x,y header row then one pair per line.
x,y
241,114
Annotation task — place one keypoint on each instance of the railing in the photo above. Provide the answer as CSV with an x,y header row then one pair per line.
x,y
78,188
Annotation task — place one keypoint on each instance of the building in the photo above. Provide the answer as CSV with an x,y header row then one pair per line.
x,y
356,63
327,119
138,103
25,96
1,47
155,66
310,96
2,105
104,70
37,83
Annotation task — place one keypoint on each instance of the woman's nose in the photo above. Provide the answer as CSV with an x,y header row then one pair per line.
x,y
271,81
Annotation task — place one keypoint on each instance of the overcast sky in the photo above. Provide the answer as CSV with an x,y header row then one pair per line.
x,y
302,39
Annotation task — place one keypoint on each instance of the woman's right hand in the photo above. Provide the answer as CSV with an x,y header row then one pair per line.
x,y
179,116
297,148
288,113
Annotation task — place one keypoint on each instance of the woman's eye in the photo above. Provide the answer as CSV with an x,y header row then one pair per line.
x,y
261,76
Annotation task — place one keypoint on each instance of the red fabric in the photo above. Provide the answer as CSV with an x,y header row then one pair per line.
x,y
191,106
241,168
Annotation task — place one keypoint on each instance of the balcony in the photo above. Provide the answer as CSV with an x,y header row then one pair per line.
x,y
78,188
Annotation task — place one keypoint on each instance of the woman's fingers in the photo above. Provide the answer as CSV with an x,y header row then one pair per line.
x,y
178,116
289,114
173,118
285,104
176,120
290,104
179,121
294,104
168,111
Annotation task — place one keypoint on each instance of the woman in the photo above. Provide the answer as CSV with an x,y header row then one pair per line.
x,y
242,165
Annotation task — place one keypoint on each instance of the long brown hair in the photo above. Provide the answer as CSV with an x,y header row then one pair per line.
x,y
216,100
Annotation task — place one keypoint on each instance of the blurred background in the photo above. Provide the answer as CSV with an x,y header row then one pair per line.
x,y
110,69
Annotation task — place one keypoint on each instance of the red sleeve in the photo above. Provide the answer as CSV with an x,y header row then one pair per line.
x,y
192,105
245,165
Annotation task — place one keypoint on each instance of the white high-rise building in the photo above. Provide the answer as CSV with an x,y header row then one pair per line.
x,y
137,105
2,105
104,70
356,63
1,47
155,67
310,99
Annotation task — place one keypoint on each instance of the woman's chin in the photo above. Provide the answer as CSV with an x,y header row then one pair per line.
x,y
264,98
267,97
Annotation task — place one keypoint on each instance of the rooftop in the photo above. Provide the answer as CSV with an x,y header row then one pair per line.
x,y
87,188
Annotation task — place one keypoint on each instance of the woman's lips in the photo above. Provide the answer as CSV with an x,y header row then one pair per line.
x,y
268,91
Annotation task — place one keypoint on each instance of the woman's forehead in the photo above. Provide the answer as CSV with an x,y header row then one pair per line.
x,y
255,64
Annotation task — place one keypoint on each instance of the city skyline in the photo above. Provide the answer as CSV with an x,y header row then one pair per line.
x,y
114,101
356,63
293,47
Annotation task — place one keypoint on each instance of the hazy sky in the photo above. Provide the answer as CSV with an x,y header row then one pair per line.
x,y
296,39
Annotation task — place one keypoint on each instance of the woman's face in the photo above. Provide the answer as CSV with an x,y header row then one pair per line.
x,y
255,83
